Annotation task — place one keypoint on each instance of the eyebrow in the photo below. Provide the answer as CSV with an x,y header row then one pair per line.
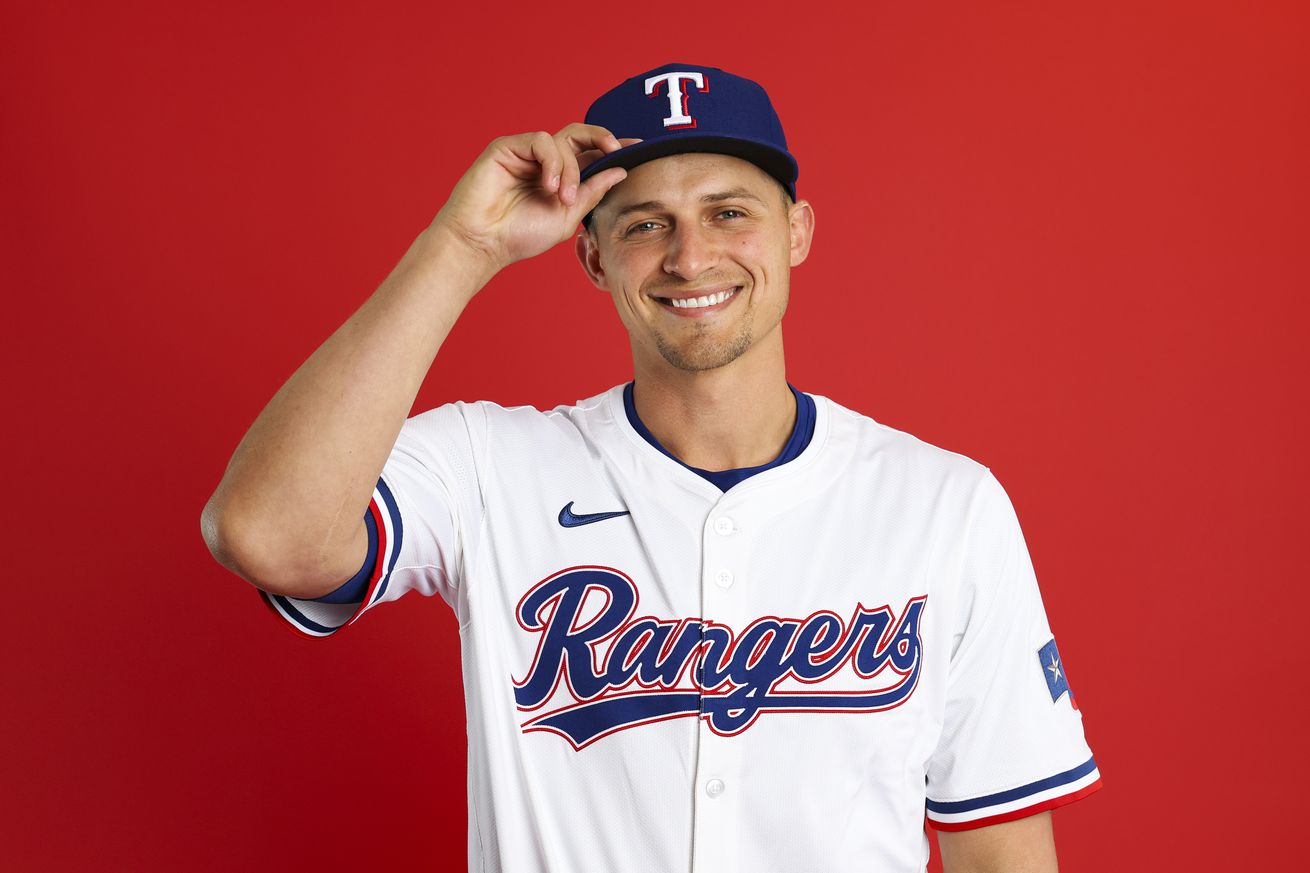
x,y
659,206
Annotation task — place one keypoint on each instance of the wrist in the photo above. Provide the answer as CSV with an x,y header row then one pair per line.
x,y
459,252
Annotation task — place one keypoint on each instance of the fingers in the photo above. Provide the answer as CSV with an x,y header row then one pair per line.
x,y
594,189
581,137
576,141
590,156
556,162
568,190
545,151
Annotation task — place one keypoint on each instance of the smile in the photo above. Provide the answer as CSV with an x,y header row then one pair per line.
x,y
703,302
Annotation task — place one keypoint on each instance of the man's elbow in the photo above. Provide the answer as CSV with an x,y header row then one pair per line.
x,y
249,552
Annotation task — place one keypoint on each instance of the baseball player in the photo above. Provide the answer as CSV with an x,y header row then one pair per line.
x,y
708,621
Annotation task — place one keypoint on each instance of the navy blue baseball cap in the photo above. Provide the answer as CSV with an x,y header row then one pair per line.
x,y
680,108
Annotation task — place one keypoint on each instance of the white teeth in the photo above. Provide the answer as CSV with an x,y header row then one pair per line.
x,y
707,300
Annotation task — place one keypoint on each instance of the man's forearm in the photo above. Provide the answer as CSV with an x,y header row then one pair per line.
x,y
288,512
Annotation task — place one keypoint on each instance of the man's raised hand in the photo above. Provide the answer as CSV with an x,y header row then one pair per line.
x,y
522,195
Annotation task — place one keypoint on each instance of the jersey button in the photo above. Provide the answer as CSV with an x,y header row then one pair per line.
x,y
723,578
724,526
715,787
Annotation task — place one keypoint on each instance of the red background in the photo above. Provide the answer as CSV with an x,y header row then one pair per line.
x,y
1067,242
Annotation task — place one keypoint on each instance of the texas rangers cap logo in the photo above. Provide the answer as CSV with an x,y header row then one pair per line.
x,y
678,117
680,107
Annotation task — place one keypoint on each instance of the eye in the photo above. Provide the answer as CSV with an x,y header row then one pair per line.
x,y
731,213
643,227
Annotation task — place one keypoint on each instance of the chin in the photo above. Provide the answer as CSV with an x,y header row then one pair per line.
x,y
706,355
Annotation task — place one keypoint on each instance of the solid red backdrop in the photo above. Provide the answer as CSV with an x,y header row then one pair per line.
x,y
1069,242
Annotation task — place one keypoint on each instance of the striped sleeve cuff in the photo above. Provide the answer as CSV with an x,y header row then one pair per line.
x,y
317,618
1016,803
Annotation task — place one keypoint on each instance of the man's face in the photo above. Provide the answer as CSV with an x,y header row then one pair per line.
x,y
696,250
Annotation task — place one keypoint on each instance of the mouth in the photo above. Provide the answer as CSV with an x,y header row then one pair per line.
x,y
701,304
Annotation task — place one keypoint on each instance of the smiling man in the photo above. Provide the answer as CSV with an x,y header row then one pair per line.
x,y
665,267
708,621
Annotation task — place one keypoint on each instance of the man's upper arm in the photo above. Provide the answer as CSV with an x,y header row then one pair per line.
x,y
1012,743
1026,845
418,522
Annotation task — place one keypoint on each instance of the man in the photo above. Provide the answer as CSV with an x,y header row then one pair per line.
x,y
707,621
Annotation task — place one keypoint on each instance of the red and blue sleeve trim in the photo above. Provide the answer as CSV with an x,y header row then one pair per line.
x,y
324,617
356,589
1015,803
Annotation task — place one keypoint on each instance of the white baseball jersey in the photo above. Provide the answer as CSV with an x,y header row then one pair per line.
x,y
786,676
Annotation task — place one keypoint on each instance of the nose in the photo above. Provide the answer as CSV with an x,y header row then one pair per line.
x,y
690,251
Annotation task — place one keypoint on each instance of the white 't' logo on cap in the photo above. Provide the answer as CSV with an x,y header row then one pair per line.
x,y
678,116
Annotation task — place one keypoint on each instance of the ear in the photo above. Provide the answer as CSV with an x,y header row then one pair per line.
x,y
588,252
801,221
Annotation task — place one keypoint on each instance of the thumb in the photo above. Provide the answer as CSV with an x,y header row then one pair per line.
x,y
592,191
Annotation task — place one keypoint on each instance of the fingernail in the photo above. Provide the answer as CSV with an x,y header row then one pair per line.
x,y
571,192
554,181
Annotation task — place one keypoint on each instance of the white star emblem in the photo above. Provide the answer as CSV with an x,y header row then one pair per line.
x,y
1054,667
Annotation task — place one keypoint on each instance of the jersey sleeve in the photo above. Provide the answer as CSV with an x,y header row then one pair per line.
x,y
422,522
1012,742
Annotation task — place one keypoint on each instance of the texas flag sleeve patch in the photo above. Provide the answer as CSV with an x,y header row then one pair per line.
x,y
1053,670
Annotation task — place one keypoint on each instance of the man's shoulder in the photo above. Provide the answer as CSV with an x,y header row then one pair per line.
x,y
489,416
872,440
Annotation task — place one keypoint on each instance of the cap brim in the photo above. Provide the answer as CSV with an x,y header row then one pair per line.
x,y
778,164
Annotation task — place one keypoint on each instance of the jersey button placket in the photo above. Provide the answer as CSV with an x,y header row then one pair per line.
x,y
724,603
717,803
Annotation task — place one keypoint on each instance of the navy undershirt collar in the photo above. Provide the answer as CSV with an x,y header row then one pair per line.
x,y
725,479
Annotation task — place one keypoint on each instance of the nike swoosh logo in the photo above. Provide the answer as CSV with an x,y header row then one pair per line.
x,y
569,519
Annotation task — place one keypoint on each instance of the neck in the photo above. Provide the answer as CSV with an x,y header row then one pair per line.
x,y
739,415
